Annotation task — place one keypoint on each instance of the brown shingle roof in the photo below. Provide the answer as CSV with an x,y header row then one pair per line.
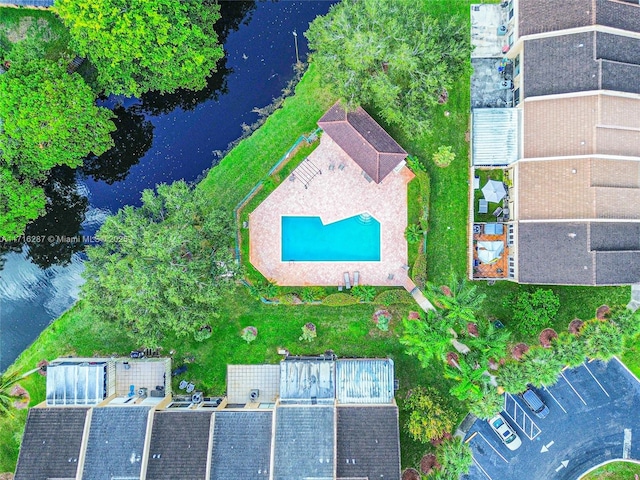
x,y
538,16
366,142
584,125
578,189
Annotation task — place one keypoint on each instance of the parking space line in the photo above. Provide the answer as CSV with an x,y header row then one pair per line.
x,y
593,376
574,390
554,398
531,433
626,446
481,469
505,460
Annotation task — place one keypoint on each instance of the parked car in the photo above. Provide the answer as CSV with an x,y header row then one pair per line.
x,y
505,432
534,402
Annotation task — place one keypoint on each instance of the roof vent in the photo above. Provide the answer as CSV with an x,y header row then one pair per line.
x,y
572,235
254,394
574,171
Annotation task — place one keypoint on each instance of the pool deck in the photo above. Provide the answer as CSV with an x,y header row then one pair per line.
x,y
335,194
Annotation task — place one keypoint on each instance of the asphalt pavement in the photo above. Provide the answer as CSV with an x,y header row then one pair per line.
x,y
594,417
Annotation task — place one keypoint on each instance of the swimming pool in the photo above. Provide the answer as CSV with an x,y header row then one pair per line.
x,y
352,239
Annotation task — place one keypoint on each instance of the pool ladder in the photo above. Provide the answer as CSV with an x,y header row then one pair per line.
x,y
365,218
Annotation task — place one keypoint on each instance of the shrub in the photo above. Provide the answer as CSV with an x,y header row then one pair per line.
x,y
419,271
312,294
249,334
339,300
203,333
533,311
444,156
382,318
413,234
308,332
429,416
263,289
289,299
394,296
425,189
364,293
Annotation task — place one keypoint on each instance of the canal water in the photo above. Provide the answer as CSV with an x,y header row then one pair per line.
x,y
160,138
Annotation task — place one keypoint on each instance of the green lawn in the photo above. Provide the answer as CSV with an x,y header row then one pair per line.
x,y
486,175
614,471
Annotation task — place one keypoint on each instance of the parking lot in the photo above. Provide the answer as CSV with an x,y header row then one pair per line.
x,y
594,415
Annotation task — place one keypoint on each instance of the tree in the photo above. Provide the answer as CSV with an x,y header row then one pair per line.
x,y
392,56
533,311
161,267
489,405
49,118
455,459
490,343
569,349
602,339
429,416
541,366
470,380
512,377
627,320
7,381
137,46
459,300
427,339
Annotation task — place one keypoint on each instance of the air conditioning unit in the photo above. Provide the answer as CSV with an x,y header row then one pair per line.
x,y
506,85
197,397
254,394
142,392
502,30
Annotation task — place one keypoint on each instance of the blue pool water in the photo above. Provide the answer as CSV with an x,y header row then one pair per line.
x,y
352,239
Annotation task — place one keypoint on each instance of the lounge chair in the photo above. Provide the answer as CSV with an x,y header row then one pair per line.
x,y
332,166
340,287
341,166
347,281
356,278
497,212
476,183
483,206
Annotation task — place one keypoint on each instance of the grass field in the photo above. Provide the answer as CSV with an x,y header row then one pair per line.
x,y
615,471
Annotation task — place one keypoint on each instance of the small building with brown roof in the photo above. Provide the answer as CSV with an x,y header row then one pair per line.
x,y
366,142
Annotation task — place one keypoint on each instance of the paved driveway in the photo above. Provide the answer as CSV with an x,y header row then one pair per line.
x,y
594,417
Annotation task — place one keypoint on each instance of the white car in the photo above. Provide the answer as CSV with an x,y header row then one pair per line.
x,y
503,430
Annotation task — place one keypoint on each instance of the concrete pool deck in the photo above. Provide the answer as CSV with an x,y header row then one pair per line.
x,y
336,194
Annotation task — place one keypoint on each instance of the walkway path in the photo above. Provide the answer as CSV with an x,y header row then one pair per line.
x,y
417,295
635,297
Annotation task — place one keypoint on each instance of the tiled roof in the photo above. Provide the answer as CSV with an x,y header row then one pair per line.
x,y
116,443
179,445
374,454
51,442
538,16
581,62
555,253
582,125
304,442
241,445
364,381
366,142
578,189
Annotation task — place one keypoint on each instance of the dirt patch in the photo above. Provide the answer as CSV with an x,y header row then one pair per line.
x,y
411,474
25,26
546,336
603,312
519,350
428,463
575,326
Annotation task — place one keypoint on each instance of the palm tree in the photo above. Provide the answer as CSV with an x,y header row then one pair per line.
x,y
455,459
427,338
469,381
512,377
627,320
542,366
7,381
490,403
459,300
602,339
569,349
491,342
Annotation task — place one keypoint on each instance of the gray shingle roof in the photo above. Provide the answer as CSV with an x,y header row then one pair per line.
x,y
116,442
179,445
608,236
617,268
304,442
366,142
368,442
538,16
566,63
51,443
554,253
241,445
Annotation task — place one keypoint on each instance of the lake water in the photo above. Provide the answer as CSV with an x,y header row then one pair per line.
x,y
159,139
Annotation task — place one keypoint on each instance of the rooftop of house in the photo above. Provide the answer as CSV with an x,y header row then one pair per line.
x,y
116,442
51,443
578,188
581,62
496,136
539,16
307,381
242,445
243,379
179,445
366,142
364,381
578,253
581,125
374,455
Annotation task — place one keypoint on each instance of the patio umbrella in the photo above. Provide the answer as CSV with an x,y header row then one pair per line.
x,y
490,252
494,191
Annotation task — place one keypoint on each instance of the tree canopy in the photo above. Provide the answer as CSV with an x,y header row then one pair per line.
x,y
162,267
391,55
48,118
138,45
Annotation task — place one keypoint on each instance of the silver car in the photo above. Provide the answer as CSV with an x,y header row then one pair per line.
x,y
503,430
